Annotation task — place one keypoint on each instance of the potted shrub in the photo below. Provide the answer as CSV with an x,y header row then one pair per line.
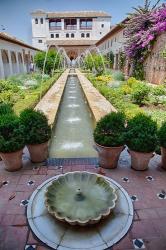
x,y
37,134
162,142
109,136
141,138
11,141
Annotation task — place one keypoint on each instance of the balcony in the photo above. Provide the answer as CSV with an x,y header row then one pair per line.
x,y
70,27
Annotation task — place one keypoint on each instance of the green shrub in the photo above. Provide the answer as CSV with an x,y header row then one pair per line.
x,y
118,76
141,134
36,128
110,130
5,109
140,93
157,92
162,135
11,134
131,81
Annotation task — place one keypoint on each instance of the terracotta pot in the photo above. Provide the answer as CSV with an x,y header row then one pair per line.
x,y
139,160
163,158
108,156
13,160
38,152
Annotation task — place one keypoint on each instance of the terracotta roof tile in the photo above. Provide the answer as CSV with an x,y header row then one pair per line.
x,y
7,37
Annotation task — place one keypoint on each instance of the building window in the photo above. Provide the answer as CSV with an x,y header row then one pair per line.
x,y
111,43
55,24
36,21
100,33
115,39
40,41
41,20
57,35
88,35
82,35
70,24
67,35
102,25
72,35
86,24
52,35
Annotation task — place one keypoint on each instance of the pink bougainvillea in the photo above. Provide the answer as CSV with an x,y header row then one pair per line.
x,y
142,30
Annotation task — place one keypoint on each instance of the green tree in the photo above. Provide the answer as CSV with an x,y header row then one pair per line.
x,y
95,61
52,60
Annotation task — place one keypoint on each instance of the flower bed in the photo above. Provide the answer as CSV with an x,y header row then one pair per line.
x,y
133,97
24,91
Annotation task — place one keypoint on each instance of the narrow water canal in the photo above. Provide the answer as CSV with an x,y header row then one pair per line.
x,y
73,132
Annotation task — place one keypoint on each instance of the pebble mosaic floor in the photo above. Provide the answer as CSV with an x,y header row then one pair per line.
x,y
147,190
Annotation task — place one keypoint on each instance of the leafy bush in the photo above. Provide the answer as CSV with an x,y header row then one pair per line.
x,y
126,89
162,135
141,134
110,130
11,134
157,92
36,128
140,93
131,81
104,78
5,109
118,76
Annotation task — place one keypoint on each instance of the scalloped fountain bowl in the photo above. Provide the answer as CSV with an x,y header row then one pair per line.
x,y
80,198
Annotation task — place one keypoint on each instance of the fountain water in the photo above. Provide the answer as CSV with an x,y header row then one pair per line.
x,y
73,132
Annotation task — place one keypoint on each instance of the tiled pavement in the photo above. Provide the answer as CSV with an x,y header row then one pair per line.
x,y
147,190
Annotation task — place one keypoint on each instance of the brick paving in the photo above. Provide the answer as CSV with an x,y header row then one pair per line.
x,y
148,187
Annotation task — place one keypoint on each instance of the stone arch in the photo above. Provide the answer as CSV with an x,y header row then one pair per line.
x,y
5,60
20,63
14,62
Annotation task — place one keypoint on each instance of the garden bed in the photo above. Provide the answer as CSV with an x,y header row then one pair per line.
x,y
25,91
132,96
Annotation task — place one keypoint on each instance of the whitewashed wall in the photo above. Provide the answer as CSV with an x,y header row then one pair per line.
x,y
18,67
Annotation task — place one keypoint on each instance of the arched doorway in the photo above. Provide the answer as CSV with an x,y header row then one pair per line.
x,y
72,55
14,62
20,62
5,60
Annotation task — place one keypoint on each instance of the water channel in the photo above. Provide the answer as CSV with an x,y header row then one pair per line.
x,y
73,132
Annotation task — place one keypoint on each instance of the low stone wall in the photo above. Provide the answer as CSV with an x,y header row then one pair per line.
x,y
97,103
49,104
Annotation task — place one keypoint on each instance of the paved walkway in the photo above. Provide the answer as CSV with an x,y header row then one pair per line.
x,y
147,190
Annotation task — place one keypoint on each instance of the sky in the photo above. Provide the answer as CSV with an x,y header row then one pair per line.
x,y
15,14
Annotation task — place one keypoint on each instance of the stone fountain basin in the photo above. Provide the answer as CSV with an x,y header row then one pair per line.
x,y
80,198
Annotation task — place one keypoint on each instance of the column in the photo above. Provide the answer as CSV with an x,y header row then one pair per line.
x,y
78,23
23,62
2,75
18,69
10,62
63,24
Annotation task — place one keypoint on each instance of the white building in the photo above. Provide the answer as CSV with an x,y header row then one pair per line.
x,y
113,41
74,31
15,56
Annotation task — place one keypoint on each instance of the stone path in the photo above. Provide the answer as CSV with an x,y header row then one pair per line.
x,y
147,190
